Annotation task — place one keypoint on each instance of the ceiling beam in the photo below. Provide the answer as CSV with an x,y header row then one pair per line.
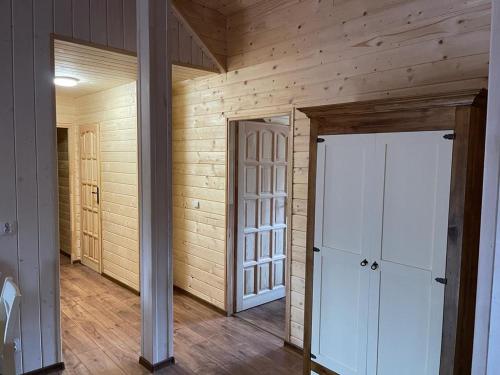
x,y
207,27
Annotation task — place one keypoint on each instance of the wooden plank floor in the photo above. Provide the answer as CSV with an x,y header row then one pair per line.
x,y
269,316
101,334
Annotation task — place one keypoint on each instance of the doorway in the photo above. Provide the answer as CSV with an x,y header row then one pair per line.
x,y
96,119
63,182
259,203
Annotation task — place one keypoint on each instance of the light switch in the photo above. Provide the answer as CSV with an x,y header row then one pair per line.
x,y
7,227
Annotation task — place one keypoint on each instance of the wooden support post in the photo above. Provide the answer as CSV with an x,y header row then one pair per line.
x,y
155,184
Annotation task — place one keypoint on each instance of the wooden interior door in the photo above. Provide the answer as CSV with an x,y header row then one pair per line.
x,y
345,234
90,210
262,213
416,167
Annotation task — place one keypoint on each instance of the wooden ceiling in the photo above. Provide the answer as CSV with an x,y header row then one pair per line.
x,y
96,69
227,7
99,69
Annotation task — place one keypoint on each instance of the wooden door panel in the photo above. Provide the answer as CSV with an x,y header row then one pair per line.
x,y
90,210
262,224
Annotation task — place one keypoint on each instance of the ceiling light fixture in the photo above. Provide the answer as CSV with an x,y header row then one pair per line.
x,y
66,81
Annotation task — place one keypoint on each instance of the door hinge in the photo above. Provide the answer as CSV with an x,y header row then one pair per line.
x,y
313,356
316,250
320,140
450,136
441,280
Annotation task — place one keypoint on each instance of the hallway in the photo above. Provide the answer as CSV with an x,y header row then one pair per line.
x,y
101,334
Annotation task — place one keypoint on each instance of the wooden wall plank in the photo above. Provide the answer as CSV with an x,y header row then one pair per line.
x,y
115,23
173,36
47,185
63,17
81,19
98,22
185,45
207,28
26,187
8,202
129,25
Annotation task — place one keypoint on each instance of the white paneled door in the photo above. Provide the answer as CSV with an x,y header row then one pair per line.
x,y
345,207
89,197
262,217
412,253
381,231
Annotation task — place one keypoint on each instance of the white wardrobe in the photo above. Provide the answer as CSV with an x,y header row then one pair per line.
x,y
380,252
393,224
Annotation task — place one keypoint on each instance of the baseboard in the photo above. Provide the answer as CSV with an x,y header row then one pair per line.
x,y
201,301
293,347
47,370
157,366
123,285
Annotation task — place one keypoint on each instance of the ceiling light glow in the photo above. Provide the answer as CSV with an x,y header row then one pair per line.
x,y
66,81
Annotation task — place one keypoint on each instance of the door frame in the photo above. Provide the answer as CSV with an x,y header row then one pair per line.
x,y
98,135
231,210
464,114
72,170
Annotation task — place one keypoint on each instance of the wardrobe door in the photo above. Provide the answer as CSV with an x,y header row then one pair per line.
x,y
344,233
412,254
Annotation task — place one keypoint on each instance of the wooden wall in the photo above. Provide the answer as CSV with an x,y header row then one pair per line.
x,y
184,49
115,111
28,152
66,118
283,54
110,23
28,183
63,178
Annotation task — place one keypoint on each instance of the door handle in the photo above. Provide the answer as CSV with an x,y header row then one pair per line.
x,y
363,263
97,194
374,266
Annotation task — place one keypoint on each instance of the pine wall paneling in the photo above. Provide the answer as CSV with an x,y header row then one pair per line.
x,y
115,111
63,178
66,118
28,149
286,53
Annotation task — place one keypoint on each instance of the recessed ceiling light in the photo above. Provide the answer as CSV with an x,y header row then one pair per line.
x,y
66,81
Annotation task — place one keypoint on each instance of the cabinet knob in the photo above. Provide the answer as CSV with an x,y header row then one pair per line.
x,y
363,263
374,266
